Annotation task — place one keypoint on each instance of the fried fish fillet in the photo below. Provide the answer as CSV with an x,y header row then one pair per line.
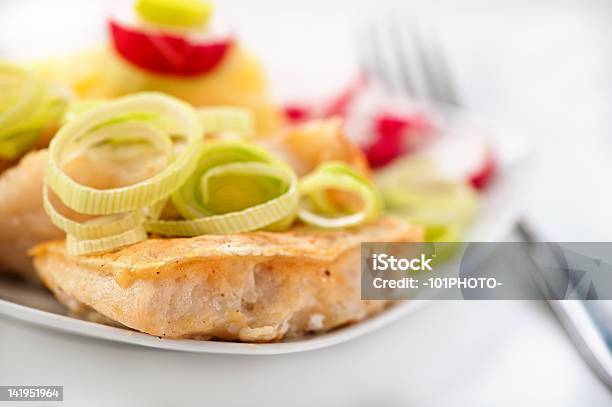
x,y
23,221
307,145
251,287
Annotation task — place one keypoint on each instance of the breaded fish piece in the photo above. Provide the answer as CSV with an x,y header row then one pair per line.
x,y
307,145
23,221
251,287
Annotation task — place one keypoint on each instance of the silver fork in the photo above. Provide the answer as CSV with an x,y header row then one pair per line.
x,y
396,54
411,64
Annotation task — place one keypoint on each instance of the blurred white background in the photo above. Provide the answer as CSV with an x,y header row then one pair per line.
x,y
544,67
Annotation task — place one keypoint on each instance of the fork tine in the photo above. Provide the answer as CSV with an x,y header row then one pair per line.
x,y
444,76
435,68
416,65
383,62
399,50
428,69
377,62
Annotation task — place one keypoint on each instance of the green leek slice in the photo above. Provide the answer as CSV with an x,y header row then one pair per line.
x,y
236,187
168,125
317,208
220,186
78,107
77,247
96,228
230,119
178,13
143,111
413,190
251,218
187,199
17,143
27,107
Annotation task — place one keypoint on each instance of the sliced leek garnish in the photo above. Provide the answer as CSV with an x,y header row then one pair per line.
x,y
413,189
168,125
251,218
22,95
16,144
77,247
188,199
157,118
217,186
227,119
321,205
27,107
79,107
236,187
96,228
178,13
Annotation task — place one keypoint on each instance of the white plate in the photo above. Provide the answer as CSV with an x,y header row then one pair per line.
x,y
91,329
502,204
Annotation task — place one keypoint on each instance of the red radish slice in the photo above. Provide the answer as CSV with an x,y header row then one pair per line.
x,y
167,54
481,178
396,135
297,113
388,132
382,153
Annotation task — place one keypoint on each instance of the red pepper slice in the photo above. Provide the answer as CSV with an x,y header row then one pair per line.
x,y
167,54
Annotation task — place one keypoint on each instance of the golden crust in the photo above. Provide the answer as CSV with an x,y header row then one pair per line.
x,y
253,287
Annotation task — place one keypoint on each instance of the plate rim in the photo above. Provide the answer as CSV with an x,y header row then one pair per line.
x,y
79,327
